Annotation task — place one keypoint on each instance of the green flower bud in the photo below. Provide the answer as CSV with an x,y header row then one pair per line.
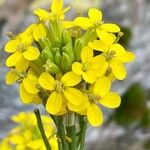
x,y
47,54
45,42
57,29
69,51
66,37
58,58
77,48
51,67
65,63
56,42
54,50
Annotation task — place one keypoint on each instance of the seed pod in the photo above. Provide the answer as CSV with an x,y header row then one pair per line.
x,y
77,48
69,51
65,63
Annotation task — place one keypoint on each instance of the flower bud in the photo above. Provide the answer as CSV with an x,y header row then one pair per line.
x,y
77,48
51,67
66,37
58,58
65,62
45,42
54,50
69,51
47,54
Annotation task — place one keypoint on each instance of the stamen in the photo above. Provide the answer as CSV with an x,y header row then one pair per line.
x,y
59,87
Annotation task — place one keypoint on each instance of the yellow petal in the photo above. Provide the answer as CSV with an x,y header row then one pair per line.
x,y
36,99
86,54
31,53
110,27
53,143
11,46
83,22
30,83
22,64
79,108
57,6
77,68
17,139
118,70
11,77
54,103
67,24
47,81
13,59
111,100
95,15
30,29
36,144
99,65
98,45
74,96
89,76
39,32
118,49
107,38
43,14
94,115
127,57
25,96
70,79
102,86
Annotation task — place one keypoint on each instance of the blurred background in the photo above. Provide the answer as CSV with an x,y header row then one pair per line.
x,y
126,128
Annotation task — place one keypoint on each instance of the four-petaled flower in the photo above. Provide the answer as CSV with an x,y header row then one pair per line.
x,y
91,67
61,90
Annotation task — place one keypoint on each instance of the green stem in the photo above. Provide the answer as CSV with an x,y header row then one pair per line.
x,y
71,133
83,127
61,133
40,126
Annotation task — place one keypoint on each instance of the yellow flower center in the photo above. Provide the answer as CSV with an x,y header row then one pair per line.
x,y
93,98
59,87
85,67
110,55
108,71
98,23
21,47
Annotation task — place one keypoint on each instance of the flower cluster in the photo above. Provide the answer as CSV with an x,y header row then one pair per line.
x,y
27,135
68,66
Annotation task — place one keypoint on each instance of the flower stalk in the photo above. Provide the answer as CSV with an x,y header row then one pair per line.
x,y
40,125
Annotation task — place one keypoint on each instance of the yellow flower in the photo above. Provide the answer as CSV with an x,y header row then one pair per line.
x,y
37,31
21,50
95,21
91,67
60,90
115,56
57,11
28,90
27,135
98,95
